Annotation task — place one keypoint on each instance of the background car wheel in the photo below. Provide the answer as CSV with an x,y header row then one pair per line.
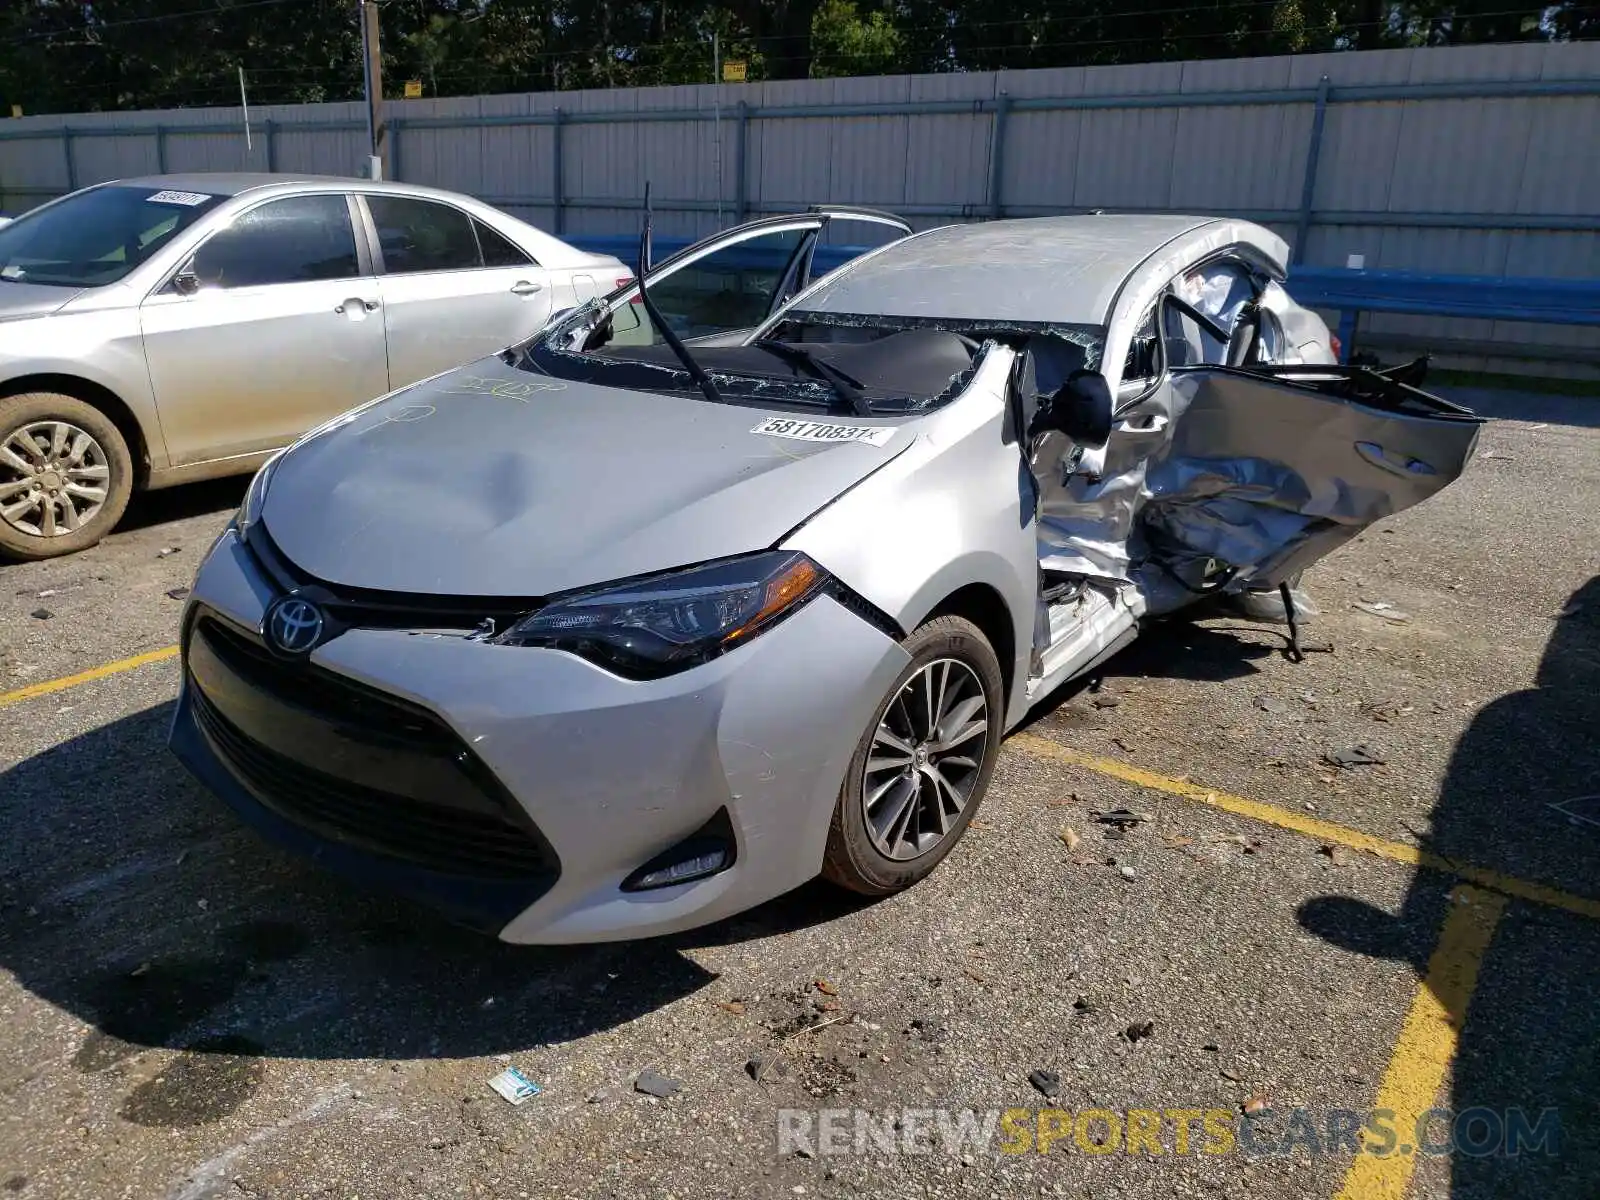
x,y
65,475
922,767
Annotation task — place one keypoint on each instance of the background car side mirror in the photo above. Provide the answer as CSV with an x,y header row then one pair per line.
x,y
1079,408
186,282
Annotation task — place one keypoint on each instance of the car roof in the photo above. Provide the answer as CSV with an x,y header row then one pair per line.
x,y
1055,270
234,183
547,250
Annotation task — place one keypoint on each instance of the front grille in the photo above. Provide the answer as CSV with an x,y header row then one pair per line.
x,y
367,608
462,824
375,717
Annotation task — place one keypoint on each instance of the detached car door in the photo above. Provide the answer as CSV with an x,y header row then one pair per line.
x,y
453,289
718,290
272,327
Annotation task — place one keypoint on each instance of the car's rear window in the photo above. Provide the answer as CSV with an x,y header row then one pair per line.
x,y
97,236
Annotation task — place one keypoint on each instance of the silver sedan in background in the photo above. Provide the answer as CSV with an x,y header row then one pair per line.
x,y
161,330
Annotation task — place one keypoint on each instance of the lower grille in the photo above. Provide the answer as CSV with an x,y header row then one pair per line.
x,y
468,830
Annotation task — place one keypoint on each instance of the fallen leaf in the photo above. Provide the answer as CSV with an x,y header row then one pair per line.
x,y
1227,1074
736,1007
1359,755
1254,1105
826,988
1177,841
975,976
1069,838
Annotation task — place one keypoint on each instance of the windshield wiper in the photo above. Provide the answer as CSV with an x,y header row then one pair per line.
x,y
696,371
844,387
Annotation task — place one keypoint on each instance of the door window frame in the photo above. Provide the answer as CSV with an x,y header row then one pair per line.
x,y
808,224
364,263
803,278
375,243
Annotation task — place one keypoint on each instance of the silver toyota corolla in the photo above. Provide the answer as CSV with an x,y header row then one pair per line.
x,y
156,331
657,616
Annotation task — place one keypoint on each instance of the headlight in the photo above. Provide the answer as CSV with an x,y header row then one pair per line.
x,y
665,623
255,495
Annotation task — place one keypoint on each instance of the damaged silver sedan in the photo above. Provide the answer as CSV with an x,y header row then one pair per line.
x,y
715,587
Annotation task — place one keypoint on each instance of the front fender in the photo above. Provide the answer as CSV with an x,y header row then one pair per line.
x,y
956,508
103,347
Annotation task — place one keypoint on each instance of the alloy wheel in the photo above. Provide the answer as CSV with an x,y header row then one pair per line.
x,y
926,756
54,478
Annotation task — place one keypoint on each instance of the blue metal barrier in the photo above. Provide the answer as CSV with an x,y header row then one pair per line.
x,y
626,248
1482,297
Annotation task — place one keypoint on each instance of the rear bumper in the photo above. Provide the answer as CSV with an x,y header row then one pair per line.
x,y
605,773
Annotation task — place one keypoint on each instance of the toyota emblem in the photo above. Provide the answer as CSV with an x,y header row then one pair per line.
x,y
293,625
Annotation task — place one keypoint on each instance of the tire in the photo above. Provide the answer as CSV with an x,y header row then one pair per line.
x,y
856,857
103,463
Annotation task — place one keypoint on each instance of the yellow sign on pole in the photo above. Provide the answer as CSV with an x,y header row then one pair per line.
x,y
16,110
413,88
733,71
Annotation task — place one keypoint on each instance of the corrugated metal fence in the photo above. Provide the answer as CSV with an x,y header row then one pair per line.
x,y
1474,161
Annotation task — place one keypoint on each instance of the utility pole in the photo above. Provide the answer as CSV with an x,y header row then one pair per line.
x,y
716,94
372,56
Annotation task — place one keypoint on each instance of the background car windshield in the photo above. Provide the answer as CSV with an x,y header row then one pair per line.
x,y
97,237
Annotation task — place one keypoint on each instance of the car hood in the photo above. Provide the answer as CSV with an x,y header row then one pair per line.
x,y
490,481
18,300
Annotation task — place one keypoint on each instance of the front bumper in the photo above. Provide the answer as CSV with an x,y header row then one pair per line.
x,y
597,774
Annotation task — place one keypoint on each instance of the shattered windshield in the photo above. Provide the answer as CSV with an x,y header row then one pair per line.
x,y
844,363
862,371
98,236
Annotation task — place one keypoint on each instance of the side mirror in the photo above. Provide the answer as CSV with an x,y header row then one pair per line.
x,y
186,282
1080,408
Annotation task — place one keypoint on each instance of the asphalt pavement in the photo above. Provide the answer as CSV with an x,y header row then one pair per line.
x,y
1268,940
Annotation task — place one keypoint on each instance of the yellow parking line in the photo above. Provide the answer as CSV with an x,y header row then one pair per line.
x,y
1326,831
93,673
1427,1044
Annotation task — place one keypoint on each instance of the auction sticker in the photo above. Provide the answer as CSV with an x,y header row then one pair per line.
x,y
187,199
821,431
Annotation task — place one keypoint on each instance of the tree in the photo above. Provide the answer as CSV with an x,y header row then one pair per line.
x,y
75,55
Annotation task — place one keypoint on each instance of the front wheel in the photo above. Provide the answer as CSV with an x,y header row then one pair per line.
x,y
65,475
922,767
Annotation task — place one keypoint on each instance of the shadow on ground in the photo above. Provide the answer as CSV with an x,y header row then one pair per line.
x,y
179,503
1531,1039
132,900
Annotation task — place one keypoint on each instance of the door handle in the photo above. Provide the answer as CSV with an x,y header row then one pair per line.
x,y
523,287
355,306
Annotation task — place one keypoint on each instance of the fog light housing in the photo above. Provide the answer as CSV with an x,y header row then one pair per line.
x,y
708,851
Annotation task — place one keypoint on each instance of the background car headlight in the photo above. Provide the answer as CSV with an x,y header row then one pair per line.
x,y
665,623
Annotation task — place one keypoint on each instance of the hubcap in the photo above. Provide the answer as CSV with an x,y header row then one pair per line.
x,y
925,759
54,478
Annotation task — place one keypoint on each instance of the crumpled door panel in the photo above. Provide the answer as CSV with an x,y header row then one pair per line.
x,y
1270,469
1234,477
